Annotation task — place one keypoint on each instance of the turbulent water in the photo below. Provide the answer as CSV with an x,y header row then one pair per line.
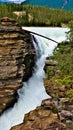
x,y
33,91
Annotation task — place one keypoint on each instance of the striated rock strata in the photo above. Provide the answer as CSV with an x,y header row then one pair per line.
x,y
16,60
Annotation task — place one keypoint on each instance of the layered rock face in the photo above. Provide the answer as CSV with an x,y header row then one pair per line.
x,y
15,46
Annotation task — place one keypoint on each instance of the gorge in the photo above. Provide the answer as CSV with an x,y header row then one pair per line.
x,y
33,91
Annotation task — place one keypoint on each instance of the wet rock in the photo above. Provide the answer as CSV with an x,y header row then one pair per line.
x,y
15,45
41,119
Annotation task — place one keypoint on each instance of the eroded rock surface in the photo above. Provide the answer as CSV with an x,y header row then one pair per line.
x,y
44,117
15,46
63,101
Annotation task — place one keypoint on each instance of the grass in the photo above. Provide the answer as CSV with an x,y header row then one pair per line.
x,y
48,17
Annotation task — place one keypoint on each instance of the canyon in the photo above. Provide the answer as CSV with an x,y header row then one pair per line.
x,y
16,65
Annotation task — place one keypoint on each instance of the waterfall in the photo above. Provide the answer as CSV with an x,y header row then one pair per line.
x,y
33,91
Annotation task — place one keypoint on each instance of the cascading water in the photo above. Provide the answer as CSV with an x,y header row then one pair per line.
x,y
33,91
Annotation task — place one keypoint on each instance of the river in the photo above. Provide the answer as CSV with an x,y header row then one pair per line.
x,y
33,91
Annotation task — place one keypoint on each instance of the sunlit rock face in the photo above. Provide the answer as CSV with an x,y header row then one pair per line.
x,y
44,117
15,46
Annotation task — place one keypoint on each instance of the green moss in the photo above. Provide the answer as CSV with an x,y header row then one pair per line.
x,y
70,94
65,81
55,110
50,72
61,82
64,56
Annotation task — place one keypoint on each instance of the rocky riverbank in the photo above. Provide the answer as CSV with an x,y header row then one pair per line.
x,y
55,113
44,117
15,48
59,81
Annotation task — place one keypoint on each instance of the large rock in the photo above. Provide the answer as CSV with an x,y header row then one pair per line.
x,y
42,118
15,46
64,103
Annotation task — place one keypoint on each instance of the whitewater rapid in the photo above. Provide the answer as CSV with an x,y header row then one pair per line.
x,y
33,91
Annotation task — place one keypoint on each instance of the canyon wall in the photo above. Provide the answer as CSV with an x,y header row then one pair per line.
x,y
16,60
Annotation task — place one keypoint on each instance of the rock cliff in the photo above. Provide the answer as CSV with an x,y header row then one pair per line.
x,y
16,49
44,117
59,81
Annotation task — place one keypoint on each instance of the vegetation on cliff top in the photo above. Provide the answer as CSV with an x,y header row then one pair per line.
x,y
36,15
61,76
